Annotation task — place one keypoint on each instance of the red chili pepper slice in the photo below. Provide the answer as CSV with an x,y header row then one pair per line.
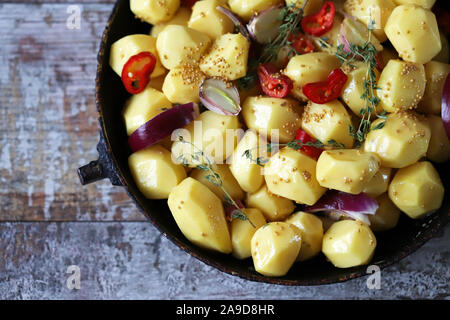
x,y
272,82
380,62
136,72
301,43
310,151
326,91
319,23
188,3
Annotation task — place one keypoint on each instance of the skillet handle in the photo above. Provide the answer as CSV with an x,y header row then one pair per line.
x,y
101,168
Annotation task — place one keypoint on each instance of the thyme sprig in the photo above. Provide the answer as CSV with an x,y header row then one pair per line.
x,y
367,53
205,164
291,16
294,144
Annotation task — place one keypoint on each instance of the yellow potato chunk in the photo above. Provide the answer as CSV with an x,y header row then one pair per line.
x,y
199,214
275,247
311,7
182,83
312,233
265,114
439,148
291,174
403,140
443,55
309,67
349,243
436,73
379,183
347,170
417,189
416,40
215,134
154,172
178,44
229,183
357,33
154,11
375,10
354,88
386,216
207,19
123,49
180,18
247,172
402,85
142,107
329,121
242,232
245,9
274,208
427,4
227,57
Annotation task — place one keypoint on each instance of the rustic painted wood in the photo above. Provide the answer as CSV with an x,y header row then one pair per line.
x,y
48,120
133,261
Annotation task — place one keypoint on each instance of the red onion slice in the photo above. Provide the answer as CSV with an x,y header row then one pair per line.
x,y
343,39
264,26
237,22
220,97
445,106
162,126
356,207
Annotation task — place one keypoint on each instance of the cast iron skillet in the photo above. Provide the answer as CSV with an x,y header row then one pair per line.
x,y
113,150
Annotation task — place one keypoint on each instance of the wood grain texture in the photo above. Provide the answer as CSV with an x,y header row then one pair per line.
x,y
134,261
48,120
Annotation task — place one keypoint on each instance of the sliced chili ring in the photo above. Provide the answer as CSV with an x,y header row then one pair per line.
x,y
310,151
326,91
137,70
301,43
321,22
272,82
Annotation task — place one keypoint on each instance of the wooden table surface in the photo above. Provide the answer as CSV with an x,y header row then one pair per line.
x,y
48,128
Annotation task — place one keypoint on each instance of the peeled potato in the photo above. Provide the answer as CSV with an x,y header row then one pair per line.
x,y
417,189
200,216
312,233
347,170
229,183
242,232
274,208
292,174
349,243
123,49
154,172
275,247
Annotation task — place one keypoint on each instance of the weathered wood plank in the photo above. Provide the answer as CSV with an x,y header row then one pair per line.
x,y
48,120
133,261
